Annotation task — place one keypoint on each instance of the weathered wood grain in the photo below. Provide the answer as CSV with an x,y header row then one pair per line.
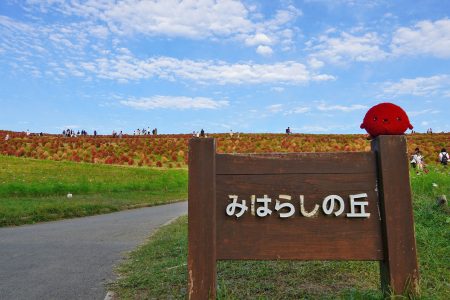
x,y
399,269
201,221
387,235
295,163
298,237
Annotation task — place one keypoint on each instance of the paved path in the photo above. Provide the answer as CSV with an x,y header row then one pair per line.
x,y
73,259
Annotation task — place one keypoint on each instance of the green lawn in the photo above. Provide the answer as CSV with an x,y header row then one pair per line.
x,y
158,269
36,190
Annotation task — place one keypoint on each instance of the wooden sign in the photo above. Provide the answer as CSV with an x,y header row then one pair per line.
x,y
301,206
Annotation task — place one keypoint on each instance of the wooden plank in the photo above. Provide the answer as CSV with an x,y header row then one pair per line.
x,y
399,269
295,163
201,222
298,237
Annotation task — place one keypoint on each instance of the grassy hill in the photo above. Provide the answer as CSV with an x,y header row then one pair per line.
x,y
106,174
171,151
36,190
158,269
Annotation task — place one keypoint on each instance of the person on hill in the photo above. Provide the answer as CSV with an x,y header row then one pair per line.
x,y
443,157
202,133
7,137
417,160
288,130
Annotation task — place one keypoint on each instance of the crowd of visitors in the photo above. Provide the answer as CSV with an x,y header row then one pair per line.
x,y
418,160
115,134
144,131
72,133
200,133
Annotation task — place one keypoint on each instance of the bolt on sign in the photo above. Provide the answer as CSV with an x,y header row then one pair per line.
x,y
301,206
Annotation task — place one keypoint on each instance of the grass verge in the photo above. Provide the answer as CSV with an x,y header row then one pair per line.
x,y
158,269
35,190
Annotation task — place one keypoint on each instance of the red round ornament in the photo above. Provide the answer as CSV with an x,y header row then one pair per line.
x,y
386,118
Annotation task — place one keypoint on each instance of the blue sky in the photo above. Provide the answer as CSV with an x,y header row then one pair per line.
x,y
248,66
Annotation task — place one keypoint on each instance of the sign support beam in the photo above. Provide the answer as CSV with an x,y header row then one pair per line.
x,y
202,219
399,271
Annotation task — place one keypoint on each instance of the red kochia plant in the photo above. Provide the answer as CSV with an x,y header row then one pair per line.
x,y
161,150
109,160
174,156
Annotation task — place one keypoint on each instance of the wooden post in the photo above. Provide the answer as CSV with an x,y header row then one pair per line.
x,y
202,219
398,270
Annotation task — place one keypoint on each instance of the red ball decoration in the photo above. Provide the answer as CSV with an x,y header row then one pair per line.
x,y
386,118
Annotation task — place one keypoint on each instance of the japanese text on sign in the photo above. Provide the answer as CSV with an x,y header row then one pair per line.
x,y
331,205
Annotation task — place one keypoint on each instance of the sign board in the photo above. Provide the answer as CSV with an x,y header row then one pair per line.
x,y
301,206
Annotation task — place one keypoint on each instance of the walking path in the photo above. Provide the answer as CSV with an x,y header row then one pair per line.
x,y
73,259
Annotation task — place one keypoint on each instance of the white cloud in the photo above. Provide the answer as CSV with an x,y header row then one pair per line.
x,y
298,110
68,50
314,63
68,127
353,107
258,39
99,31
84,49
278,89
264,50
214,20
57,49
351,3
423,112
420,86
426,37
323,77
346,47
176,102
193,19
313,128
202,71
275,108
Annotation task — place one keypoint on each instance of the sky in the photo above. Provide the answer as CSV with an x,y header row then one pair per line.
x,y
246,66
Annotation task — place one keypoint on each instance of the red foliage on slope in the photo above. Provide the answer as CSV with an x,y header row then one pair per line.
x,y
172,150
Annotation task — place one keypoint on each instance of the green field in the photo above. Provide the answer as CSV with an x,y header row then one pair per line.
x,y
158,269
36,190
